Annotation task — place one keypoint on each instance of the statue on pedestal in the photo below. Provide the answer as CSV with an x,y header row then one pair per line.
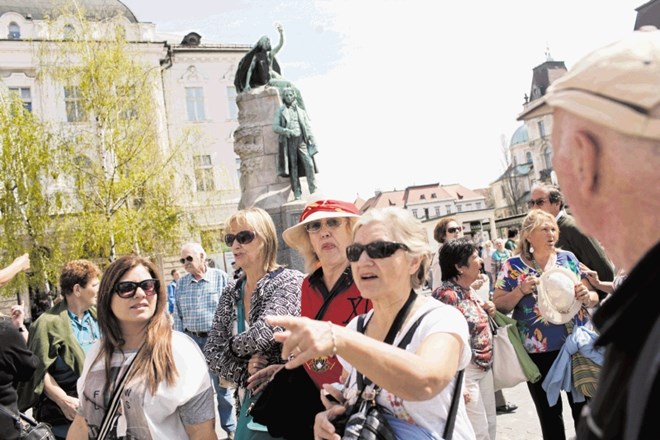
x,y
297,146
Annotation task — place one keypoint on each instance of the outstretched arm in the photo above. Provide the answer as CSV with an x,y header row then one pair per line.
x,y
277,48
20,264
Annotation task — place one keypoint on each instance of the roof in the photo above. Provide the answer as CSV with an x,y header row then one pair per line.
x,y
383,200
544,75
648,14
520,136
425,194
40,9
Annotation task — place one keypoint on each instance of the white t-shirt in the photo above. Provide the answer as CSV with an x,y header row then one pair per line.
x,y
430,414
143,415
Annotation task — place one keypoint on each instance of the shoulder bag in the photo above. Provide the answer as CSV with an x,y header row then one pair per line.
x,y
511,362
27,427
290,401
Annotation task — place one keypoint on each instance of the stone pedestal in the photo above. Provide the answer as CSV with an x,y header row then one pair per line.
x,y
257,145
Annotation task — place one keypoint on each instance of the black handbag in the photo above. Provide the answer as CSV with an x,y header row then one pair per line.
x,y
27,427
290,402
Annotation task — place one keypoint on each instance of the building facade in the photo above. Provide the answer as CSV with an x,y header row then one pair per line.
x,y
194,93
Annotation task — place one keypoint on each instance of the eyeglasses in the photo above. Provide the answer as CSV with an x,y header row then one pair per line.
x,y
454,230
537,202
127,289
243,237
331,223
375,249
189,259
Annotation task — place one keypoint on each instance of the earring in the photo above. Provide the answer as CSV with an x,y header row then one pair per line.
x,y
460,272
531,249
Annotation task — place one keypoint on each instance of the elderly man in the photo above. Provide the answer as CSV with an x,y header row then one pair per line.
x,y
587,250
606,140
197,297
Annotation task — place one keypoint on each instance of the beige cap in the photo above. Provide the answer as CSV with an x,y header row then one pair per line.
x,y
617,86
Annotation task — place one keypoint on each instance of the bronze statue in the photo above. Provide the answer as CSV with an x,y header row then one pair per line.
x,y
297,146
259,67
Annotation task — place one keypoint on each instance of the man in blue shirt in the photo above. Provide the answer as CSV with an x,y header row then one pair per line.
x,y
171,290
197,297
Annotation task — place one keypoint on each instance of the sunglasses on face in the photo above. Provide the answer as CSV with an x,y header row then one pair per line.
x,y
375,249
127,289
331,223
189,259
243,237
454,230
537,202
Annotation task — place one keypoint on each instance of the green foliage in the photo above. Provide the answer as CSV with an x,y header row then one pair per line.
x,y
27,167
124,177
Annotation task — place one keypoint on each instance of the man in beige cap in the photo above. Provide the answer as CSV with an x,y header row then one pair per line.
x,y
606,140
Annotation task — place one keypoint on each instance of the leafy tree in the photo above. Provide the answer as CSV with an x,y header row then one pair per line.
x,y
120,163
27,206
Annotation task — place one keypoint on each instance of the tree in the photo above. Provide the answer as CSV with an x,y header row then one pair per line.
x,y
27,207
120,163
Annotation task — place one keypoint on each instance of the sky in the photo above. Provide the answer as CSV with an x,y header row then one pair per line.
x,y
406,92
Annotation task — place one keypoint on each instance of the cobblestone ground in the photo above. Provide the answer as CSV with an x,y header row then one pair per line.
x,y
524,424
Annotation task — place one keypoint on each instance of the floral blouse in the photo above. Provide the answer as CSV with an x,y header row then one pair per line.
x,y
539,335
227,351
467,301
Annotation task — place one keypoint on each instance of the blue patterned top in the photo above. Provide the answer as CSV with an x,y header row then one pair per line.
x,y
539,336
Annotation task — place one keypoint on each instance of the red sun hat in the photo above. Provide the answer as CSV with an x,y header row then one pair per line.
x,y
296,235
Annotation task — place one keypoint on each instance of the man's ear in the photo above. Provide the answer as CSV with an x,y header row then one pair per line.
x,y
586,157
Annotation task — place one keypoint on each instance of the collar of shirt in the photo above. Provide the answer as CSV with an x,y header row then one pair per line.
x,y
560,215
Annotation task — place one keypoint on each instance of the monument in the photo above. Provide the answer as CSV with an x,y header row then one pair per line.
x,y
274,142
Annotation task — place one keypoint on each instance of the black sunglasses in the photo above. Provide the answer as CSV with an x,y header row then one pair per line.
x,y
537,202
375,249
189,259
127,289
456,229
243,237
315,226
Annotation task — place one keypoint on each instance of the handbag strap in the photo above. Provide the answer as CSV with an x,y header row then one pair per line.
x,y
13,416
453,409
106,424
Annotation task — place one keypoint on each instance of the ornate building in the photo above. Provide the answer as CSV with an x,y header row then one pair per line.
x,y
195,90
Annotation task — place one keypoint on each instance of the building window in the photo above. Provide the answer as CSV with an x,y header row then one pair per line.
x,y
422,197
195,103
434,196
414,211
478,205
437,211
75,112
14,31
468,206
204,173
25,95
541,126
503,192
548,157
528,155
448,208
231,102
69,32
459,208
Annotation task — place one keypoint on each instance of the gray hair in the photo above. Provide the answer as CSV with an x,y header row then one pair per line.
x,y
405,229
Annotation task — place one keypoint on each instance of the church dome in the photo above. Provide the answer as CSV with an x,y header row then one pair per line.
x,y
39,9
520,136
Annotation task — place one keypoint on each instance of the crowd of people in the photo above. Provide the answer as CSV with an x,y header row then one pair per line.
x,y
123,355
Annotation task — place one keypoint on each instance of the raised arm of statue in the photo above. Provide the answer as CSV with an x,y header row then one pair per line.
x,y
277,48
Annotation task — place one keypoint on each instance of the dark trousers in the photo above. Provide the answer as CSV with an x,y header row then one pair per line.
x,y
551,418
299,156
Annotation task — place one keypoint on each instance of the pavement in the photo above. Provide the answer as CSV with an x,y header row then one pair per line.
x,y
523,424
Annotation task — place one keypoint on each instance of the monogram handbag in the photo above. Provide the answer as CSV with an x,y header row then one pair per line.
x,y
29,428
